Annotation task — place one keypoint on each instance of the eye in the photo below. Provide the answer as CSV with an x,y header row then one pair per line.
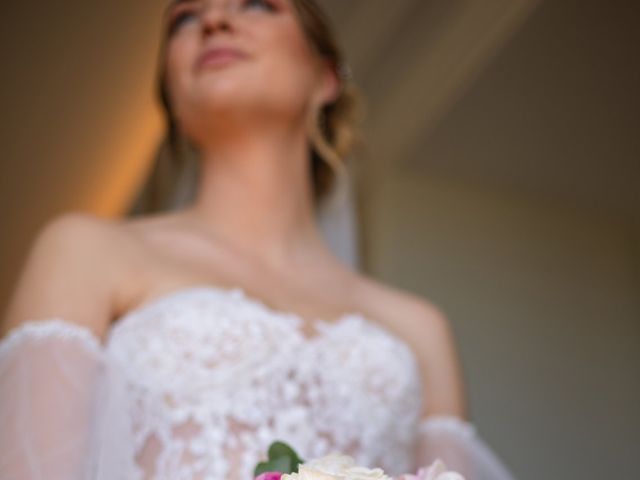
x,y
179,18
260,5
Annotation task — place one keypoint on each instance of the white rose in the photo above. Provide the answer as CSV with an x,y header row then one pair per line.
x,y
335,467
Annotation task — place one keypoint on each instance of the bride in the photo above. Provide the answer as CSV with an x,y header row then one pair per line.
x,y
179,345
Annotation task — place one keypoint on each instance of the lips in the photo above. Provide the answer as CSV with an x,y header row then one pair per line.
x,y
219,56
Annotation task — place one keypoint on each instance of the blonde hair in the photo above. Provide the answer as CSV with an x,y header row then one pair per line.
x,y
333,131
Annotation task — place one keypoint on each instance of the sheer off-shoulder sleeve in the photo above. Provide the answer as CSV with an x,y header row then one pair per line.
x,y
457,443
62,413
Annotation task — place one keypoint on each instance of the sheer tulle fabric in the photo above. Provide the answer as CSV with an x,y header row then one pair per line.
x,y
61,406
457,443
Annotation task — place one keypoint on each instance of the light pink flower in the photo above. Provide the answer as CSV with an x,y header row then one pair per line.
x,y
436,471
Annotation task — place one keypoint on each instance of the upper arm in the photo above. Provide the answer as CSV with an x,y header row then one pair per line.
x,y
439,362
67,274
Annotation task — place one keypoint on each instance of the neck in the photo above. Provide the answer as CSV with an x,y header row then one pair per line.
x,y
256,196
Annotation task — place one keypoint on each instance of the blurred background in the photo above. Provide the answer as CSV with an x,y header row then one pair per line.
x,y
501,181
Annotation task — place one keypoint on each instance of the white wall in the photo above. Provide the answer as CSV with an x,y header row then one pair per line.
x,y
546,307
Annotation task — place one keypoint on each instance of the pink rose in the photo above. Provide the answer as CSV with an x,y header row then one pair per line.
x,y
436,471
269,476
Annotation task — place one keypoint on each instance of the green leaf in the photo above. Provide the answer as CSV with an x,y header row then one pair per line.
x,y
281,458
296,463
281,449
260,468
280,464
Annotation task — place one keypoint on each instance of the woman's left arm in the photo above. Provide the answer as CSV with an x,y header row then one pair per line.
x,y
444,431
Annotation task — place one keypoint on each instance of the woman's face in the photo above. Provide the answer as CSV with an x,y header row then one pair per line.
x,y
260,65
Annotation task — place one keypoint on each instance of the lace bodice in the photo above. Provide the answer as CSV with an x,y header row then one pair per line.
x,y
211,377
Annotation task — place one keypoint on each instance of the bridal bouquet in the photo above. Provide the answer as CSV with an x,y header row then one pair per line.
x,y
284,464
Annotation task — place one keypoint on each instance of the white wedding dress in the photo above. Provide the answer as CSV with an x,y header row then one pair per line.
x,y
195,385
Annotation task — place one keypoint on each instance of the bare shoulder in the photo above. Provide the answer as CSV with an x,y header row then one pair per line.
x,y
70,272
391,302
426,329
416,318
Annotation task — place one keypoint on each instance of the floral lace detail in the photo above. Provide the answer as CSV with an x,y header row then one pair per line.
x,y
214,376
44,329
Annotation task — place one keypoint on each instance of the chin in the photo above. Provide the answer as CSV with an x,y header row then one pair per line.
x,y
235,101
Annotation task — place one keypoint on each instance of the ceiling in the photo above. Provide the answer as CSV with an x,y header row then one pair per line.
x,y
535,96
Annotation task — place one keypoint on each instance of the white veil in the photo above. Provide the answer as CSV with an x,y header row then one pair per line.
x,y
337,217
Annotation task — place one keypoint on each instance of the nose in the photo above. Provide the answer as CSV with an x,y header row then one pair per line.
x,y
216,16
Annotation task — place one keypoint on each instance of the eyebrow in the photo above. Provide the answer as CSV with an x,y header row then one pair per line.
x,y
174,3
